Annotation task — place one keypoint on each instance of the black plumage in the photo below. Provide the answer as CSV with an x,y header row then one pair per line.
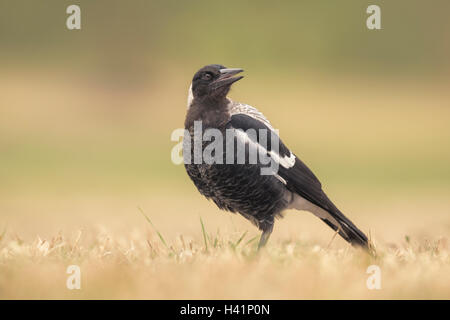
x,y
241,188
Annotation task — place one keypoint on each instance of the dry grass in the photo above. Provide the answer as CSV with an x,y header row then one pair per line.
x,y
144,264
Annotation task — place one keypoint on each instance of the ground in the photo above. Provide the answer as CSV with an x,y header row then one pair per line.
x,y
123,255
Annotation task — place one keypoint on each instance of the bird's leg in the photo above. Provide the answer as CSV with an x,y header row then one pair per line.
x,y
265,236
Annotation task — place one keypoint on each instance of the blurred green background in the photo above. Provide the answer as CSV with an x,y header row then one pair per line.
x,y
86,115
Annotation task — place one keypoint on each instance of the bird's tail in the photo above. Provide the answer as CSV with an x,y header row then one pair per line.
x,y
333,217
347,230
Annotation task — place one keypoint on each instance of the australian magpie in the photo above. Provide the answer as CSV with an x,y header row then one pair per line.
x,y
241,187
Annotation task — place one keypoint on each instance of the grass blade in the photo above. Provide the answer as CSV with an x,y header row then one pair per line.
x,y
205,237
156,230
251,240
240,239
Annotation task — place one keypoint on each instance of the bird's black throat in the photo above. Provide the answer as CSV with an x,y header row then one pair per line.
x,y
212,111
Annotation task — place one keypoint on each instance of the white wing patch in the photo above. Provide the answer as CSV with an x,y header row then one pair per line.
x,y
242,108
246,139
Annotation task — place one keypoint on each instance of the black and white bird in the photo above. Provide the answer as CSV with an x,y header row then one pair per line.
x,y
241,188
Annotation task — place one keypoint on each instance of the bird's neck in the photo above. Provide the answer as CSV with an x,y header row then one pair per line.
x,y
213,112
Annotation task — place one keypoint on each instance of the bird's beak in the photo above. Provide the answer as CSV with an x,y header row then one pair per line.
x,y
226,77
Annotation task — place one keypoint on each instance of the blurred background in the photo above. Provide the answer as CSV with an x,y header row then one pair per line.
x,y
86,115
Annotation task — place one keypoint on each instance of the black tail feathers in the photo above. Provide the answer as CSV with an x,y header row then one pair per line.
x,y
355,236
349,232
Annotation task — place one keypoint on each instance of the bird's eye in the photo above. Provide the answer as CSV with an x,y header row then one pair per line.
x,y
206,76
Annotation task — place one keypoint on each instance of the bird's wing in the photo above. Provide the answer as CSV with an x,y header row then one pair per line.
x,y
297,177
242,108
246,117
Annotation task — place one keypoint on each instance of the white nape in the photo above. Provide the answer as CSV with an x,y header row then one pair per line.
x,y
190,97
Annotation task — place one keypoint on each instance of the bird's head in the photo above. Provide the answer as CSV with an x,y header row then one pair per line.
x,y
214,81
